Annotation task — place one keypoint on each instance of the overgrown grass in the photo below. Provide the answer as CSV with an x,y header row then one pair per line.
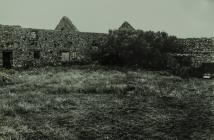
x,y
102,103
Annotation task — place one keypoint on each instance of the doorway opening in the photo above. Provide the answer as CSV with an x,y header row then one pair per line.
x,y
7,59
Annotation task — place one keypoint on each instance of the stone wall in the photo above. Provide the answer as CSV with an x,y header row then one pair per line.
x,y
201,50
24,42
52,45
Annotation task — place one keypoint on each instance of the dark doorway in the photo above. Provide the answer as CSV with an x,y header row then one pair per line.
x,y
36,55
208,68
7,59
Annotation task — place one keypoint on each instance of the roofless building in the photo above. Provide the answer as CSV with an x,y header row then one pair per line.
x,y
27,47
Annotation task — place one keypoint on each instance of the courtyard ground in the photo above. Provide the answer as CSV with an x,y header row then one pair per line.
x,y
102,103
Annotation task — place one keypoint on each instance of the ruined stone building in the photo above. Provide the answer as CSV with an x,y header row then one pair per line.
x,y
25,47
22,47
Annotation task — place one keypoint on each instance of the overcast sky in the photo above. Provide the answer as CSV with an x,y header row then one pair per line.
x,y
184,18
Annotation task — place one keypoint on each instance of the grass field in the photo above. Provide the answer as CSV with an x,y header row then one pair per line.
x,y
100,103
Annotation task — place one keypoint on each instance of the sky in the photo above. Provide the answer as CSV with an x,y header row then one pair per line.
x,y
183,18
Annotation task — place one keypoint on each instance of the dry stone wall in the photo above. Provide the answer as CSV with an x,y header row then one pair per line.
x,y
201,50
51,44
24,42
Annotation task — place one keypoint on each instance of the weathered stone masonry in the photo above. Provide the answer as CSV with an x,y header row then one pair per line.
x,y
37,47
201,50
25,47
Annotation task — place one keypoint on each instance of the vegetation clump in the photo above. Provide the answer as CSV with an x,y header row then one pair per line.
x,y
148,50
6,79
